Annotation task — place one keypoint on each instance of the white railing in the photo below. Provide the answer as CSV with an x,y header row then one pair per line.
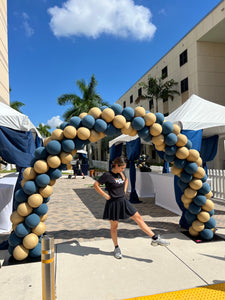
x,y
217,182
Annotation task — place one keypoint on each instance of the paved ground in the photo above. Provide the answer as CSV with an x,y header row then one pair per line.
x,y
85,266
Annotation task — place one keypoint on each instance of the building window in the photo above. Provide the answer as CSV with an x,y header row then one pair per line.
x,y
124,104
131,99
151,104
164,72
139,92
184,85
183,58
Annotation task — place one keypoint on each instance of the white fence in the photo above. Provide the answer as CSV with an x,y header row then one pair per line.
x,y
217,182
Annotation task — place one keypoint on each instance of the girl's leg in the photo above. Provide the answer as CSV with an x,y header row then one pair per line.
x,y
114,225
141,223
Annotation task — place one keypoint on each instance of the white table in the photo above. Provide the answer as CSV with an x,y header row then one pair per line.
x,y
7,185
159,186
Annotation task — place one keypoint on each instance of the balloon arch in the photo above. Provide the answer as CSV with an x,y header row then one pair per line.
x,y
58,150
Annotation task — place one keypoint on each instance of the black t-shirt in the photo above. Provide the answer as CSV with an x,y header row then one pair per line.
x,y
114,184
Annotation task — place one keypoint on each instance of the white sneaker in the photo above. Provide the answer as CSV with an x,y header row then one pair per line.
x,y
117,253
160,242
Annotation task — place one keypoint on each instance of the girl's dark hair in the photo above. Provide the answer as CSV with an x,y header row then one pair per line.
x,y
120,161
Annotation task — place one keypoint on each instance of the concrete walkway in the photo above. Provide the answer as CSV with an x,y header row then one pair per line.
x,y
84,264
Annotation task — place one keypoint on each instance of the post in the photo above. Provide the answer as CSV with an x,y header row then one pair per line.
x,y
47,258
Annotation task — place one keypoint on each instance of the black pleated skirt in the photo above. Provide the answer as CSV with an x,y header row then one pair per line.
x,y
118,208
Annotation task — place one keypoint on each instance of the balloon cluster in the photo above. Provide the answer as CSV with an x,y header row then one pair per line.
x,y
58,150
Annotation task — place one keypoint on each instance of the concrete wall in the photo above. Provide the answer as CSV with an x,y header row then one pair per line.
x,y
4,71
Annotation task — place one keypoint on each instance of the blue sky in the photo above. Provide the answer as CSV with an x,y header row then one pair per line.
x,y
53,43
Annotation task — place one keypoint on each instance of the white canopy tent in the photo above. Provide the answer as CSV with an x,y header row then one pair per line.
x,y
197,113
13,119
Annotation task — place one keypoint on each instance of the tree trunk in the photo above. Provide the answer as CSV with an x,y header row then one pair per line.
x,y
89,148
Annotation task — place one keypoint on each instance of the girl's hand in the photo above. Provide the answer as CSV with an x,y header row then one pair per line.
x,y
107,197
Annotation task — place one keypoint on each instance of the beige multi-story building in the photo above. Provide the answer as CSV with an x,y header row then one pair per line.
x,y
4,71
196,62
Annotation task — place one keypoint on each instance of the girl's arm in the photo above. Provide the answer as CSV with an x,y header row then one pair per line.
x,y
126,182
100,191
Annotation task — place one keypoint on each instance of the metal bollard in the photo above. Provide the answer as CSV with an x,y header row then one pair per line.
x,y
47,258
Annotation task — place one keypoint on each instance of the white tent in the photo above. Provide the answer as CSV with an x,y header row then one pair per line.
x,y
197,113
13,119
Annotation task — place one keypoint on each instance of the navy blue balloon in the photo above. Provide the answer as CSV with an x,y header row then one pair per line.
x,y
205,189
40,153
190,218
206,234
144,132
182,185
103,107
185,177
188,145
32,220
138,123
33,161
20,196
63,125
46,200
167,127
180,163
117,108
42,180
62,167
14,240
68,145
75,122
79,144
194,209
199,200
128,113
211,212
211,223
169,158
191,167
171,150
22,230
159,118
204,179
41,210
36,251
100,125
53,147
88,121
112,130
30,187
54,173
170,139
148,138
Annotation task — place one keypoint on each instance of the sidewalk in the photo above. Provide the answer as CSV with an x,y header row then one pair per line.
x,y
85,267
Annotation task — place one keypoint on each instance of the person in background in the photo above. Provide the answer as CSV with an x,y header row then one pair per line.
x,y
118,207
76,165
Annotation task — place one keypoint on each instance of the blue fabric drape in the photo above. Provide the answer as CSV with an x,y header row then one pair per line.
x,y
195,137
17,147
133,152
166,166
209,149
115,151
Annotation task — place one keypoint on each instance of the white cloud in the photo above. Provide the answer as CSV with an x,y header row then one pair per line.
x,y
92,18
54,122
28,29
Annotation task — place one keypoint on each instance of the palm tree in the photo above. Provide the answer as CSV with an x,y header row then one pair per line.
x,y
89,98
17,105
156,89
44,130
